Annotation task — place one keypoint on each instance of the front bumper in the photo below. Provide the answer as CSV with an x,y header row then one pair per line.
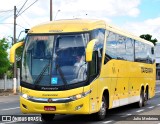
x,y
28,106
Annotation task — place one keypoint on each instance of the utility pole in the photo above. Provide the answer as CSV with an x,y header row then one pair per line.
x,y
50,10
15,67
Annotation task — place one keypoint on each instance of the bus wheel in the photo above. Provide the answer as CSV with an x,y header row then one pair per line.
x,y
102,112
47,117
145,97
141,101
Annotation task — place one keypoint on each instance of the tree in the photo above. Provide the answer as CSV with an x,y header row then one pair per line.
x,y
18,61
149,38
4,62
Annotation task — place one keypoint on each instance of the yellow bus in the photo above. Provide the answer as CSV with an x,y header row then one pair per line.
x,y
83,66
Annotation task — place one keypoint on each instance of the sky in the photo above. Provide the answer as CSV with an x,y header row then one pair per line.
x,y
136,16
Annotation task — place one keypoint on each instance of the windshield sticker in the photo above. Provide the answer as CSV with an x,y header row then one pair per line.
x,y
45,38
54,80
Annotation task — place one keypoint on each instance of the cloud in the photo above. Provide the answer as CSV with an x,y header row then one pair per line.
x,y
155,21
75,8
134,12
9,4
101,7
37,13
149,26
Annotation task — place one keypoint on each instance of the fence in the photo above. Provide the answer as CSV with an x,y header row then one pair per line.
x,y
7,84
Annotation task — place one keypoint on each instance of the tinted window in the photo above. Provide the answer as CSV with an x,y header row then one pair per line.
x,y
93,64
124,48
150,56
99,35
129,45
121,47
143,53
157,50
111,46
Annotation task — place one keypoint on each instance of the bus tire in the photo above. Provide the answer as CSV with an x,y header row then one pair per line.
x,y
141,101
47,117
101,114
145,97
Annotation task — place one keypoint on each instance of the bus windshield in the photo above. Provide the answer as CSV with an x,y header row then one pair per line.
x,y
54,60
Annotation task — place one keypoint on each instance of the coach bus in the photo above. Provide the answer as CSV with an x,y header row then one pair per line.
x,y
116,68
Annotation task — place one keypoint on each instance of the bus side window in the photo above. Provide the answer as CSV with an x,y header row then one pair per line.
x,y
121,50
111,47
129,46
94,64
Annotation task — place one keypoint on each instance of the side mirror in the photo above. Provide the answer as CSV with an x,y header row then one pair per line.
x,y
13,49
152,50
89,50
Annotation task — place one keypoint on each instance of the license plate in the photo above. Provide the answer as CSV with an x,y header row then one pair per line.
x,y
50,108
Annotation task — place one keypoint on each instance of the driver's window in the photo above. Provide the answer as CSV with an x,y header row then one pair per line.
x,y
93,64
40,49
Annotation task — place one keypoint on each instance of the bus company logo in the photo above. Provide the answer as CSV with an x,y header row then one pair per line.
x,y
49,94
146,70
50,100
57,31
49,88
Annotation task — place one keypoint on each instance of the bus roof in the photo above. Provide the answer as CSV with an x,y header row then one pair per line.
x,y
80,25
70,25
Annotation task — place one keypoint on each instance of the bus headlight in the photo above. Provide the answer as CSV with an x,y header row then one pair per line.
x,y
79,96
25,96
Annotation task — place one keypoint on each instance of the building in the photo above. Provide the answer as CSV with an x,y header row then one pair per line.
x,y
157,54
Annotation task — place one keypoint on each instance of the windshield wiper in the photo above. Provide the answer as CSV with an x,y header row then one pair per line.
x,y
62,75
40,76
